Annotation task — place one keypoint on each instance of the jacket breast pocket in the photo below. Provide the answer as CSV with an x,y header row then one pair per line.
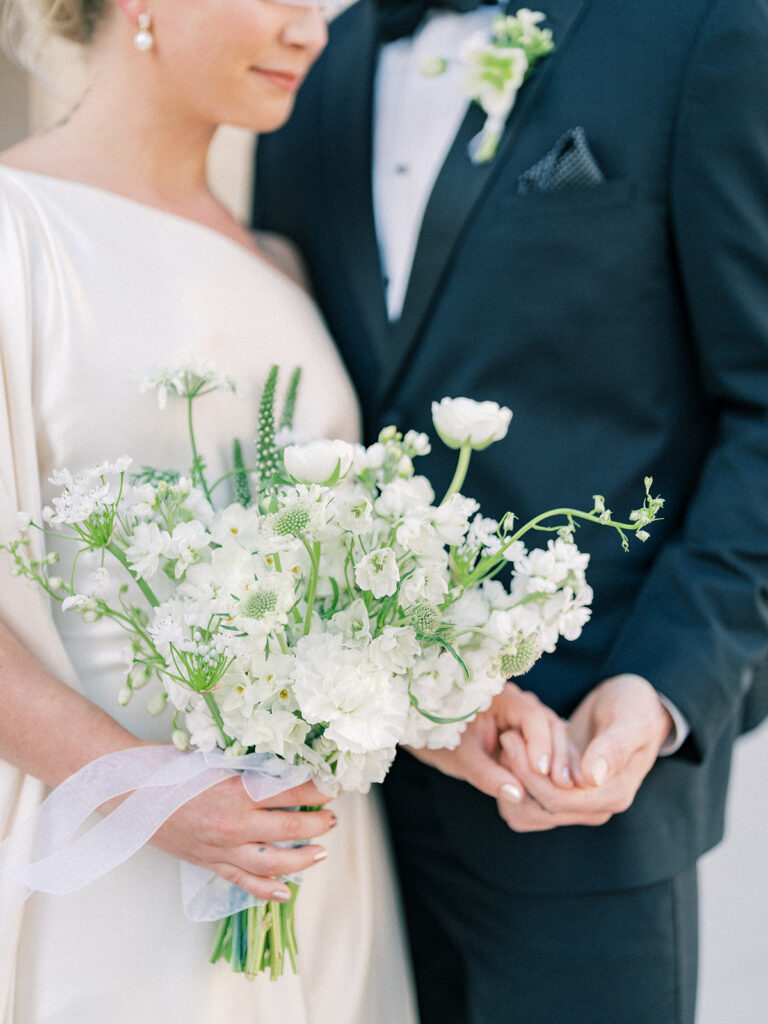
x,y
607,195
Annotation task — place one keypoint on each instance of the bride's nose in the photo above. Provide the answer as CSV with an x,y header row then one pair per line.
x,y
308,29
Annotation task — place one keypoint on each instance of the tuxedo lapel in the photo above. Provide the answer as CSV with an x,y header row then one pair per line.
x,y
348,129
458,189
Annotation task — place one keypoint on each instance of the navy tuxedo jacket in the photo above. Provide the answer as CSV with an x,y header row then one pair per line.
x,y
625,324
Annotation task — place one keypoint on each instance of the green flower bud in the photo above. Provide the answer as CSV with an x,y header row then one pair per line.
x,y
521,658
425,618
256,606
291,522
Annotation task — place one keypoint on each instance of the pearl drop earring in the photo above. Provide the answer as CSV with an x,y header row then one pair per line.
x,y
144,40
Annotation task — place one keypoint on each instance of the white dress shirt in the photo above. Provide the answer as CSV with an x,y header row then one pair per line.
x,y
416,119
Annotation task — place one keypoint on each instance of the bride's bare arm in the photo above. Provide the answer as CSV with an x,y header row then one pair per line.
x,y
50,731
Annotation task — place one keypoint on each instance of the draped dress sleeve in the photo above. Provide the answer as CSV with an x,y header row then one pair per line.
x,y
24,609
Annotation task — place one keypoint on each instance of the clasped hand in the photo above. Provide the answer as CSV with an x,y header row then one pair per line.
x,y
545,772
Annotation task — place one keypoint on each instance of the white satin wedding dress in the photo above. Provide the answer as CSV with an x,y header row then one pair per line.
x,y
96,291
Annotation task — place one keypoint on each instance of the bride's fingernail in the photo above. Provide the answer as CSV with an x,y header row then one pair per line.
x,y
281,896
512,792
565,774
599,771
543,764
320,855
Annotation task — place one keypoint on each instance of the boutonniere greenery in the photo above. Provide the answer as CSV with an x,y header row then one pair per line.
x,y
494,71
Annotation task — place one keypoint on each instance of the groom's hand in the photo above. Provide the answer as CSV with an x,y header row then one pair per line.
x,y
619,727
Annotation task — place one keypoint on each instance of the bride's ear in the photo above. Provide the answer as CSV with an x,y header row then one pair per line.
x,y
132,9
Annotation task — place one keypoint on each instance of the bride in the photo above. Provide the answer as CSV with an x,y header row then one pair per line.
x,y
115,258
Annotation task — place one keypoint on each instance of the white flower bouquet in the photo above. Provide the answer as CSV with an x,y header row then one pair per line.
x,y
334,610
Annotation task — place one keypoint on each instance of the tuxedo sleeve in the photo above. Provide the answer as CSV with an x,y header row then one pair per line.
x,y
699,625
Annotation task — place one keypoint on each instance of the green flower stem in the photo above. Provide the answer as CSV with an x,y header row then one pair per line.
x,y
276,941
257,937
143,586
213,707
221,936
314,555
226,476
465,453
488,566
197,471
289,926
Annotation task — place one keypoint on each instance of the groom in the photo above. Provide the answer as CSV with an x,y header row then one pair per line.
x,y
606,276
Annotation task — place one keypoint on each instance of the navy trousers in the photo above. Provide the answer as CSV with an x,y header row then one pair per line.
x,y
485,954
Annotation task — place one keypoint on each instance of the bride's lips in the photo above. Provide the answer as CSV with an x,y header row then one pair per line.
x,y
288,80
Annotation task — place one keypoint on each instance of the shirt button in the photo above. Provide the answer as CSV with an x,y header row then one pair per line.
x,y
401,168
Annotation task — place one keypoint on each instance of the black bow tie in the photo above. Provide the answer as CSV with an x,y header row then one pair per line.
x,y
398,18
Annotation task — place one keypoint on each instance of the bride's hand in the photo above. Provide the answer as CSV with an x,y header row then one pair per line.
x,y
225,831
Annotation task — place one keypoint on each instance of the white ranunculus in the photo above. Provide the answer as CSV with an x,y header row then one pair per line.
x,y
461,421
320,462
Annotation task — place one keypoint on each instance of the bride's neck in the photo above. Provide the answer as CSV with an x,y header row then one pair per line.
x,y
128,134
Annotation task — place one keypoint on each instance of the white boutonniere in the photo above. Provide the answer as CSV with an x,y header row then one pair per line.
x,y
494,71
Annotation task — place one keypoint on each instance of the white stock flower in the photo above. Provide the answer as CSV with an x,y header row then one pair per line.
x,y
415,534
405,497
396,649
451,519
187,541
355,514
149,545
378,572
319,462
461,421
493,74
365,706
427,582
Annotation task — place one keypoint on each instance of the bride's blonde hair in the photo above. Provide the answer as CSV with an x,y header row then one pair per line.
x,y
25,24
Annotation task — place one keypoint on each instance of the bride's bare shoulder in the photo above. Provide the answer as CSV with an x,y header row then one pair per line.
x,y
285,256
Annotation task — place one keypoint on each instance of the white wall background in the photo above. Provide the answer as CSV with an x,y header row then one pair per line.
x,y
734,878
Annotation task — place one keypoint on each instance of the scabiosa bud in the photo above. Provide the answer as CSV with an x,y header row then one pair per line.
x,y
256,606
291,521
425,618
521,658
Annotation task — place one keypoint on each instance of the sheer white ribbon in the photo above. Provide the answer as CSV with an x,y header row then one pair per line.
x,y
43,854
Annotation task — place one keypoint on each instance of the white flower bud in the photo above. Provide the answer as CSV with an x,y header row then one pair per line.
x,y
180,740
55,582
431,67
235,749
157,705
124,695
